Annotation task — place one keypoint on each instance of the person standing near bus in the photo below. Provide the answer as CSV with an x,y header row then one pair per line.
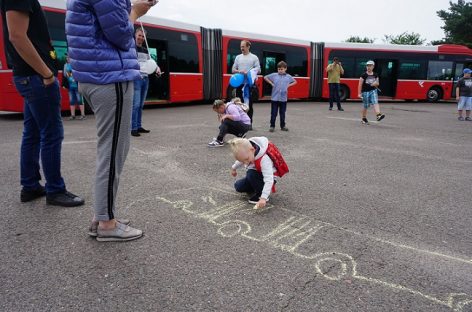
x,y
464,95
100,35
141,85
335,70
280,82
245,62
75,99
29,48
368,92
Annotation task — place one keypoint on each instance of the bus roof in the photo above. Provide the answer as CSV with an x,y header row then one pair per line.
x,y
380,47
444,48
61,5
151,20
245,35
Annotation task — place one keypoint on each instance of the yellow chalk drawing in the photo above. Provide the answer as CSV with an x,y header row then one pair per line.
x,y
289,235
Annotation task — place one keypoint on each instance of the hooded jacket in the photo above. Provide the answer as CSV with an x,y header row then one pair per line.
x,y
267,166
100,40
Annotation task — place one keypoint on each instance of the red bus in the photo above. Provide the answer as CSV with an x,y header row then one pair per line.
x,y
406,72
197,63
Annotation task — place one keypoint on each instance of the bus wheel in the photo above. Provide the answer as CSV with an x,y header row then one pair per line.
x,y
434,94
343,93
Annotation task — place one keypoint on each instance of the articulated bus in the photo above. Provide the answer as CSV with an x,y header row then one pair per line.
x,y
197,62
406,72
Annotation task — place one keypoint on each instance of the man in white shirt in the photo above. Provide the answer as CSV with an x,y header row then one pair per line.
x,y
244,63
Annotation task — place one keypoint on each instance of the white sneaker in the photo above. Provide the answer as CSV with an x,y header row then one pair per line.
x,y
216,143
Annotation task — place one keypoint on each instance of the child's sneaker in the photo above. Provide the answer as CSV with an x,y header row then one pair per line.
x,y
364,121
72,118
82,117
380,117
271,129
255,199
216,143
468,118
284,129
460,118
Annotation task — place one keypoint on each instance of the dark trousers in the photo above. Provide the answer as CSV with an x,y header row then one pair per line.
x,y
236,128
239,93
253,183
334,95
278,106
42,134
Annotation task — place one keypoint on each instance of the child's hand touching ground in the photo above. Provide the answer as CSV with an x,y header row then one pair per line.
x,y
261,203
234,172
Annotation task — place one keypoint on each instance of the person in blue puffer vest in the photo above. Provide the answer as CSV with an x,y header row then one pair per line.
x,y
100,37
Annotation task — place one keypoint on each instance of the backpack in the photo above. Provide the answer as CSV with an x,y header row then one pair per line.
x,y
274,154
243,106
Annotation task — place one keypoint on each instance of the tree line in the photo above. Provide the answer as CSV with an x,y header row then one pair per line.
x,y
457,28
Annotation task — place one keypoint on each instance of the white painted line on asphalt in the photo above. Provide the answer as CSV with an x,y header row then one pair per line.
x,y
78,142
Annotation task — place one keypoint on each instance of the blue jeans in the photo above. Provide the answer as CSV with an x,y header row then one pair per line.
x,y
253,183
237,128
42,134
140,91
276,106
74,97
334,95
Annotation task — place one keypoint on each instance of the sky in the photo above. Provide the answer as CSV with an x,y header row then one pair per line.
x,y
312,20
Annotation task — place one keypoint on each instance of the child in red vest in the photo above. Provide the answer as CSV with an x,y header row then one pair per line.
x,y
263,162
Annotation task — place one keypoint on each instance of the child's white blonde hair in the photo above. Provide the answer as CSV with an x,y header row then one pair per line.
x,y
238,144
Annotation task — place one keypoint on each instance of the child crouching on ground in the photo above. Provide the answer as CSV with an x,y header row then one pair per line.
x,y
233,118
263,162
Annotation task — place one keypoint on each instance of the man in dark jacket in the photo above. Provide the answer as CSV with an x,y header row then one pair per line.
x,y
28,46
103,58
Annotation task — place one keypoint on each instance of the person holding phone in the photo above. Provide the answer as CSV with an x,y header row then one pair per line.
x,y
334,70
102,33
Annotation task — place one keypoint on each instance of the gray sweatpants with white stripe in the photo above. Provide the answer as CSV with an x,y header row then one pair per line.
x,y
112,105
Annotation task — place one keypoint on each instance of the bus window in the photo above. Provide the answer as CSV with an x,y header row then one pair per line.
x,y
360,67
348,66
295,57
440,70
412,69
60,47
183,53
181,49
56,26
233,51
297,61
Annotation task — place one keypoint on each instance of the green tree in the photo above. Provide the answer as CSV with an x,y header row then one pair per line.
x,y
359,39
405,38
457,23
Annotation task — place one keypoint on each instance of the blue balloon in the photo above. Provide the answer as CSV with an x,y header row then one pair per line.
x,y
236,80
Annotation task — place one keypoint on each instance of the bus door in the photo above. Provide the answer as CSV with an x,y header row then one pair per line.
x,y
159,85
269,65
459,67
388,74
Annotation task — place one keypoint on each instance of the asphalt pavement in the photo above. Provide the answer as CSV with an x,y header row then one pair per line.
x,y
370,218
